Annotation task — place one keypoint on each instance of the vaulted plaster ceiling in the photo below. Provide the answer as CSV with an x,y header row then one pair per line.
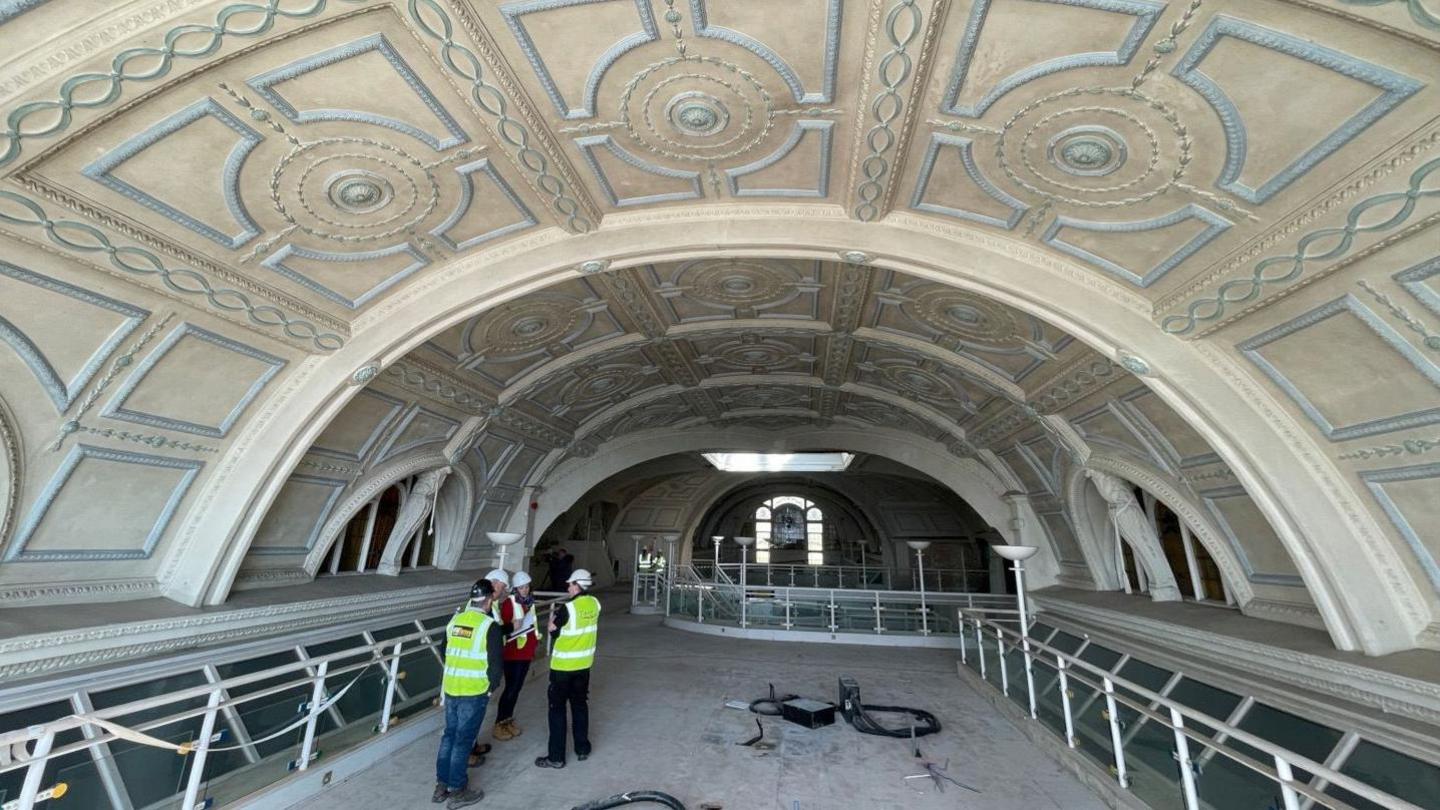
x,y
537,229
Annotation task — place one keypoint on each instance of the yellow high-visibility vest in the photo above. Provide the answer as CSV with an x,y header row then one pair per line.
x,y
575,648
467,653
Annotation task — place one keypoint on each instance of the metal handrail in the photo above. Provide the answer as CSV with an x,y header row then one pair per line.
x,y
1175,717
382,653
853,594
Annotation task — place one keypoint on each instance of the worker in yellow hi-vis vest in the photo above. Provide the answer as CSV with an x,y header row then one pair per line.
x,y
574,628
473,648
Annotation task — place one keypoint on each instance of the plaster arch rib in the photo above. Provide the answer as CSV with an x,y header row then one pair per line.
x,y
967,478
1177,499
362,492
1297,488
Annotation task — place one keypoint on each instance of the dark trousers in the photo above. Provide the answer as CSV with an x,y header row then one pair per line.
x,y
515,672
570,689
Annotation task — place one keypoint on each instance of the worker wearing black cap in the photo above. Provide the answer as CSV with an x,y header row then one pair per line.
x,y
474,645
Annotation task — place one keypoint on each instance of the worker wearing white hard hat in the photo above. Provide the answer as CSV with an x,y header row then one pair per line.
x,y
500,584
575,627
522,638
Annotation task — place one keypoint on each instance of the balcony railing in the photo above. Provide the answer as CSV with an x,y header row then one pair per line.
x,y
1167,753
830,610
237,723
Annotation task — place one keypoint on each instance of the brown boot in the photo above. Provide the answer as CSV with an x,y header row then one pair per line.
x,y
502,731
515,730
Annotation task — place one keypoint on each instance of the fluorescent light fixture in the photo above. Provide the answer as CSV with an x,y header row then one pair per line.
x,y
780,462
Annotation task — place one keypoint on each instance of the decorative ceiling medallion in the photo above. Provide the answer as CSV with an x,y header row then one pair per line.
x,y
737,283
594,385
969,317
359,191
527,325
696,109
1087,151
856,257
353,189
756,354
766,398
696,113
594,266
919,383
1121,148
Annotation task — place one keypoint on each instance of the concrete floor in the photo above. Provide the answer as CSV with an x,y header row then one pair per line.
x,y
658,722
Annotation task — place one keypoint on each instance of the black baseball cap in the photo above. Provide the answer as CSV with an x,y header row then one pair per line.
x,y
481,589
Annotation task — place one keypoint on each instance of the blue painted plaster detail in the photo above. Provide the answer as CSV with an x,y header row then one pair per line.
x,y
396,406
389,449
100,171
1415,281
337,487
63,393
1211,497
264,85
1215,225
467,198
1146,13
276,262
965,147
1376,481
822,174
10,9
1396,88
116,408
587,150
26,530
1251,348
512,12
833,20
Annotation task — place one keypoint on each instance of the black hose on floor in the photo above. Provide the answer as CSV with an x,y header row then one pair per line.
x,y
633,797
865,724
759,706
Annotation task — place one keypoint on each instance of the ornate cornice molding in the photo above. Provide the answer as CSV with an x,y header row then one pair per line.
x,y
89,591
31,655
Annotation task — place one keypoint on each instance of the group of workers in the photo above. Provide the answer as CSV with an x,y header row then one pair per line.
x,y
492,640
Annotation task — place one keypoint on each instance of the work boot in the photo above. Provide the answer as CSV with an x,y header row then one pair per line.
x,y
547,762
515,730
442,792
464,798
502,732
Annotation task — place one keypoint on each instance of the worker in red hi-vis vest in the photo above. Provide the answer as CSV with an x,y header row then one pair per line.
x,y
517,614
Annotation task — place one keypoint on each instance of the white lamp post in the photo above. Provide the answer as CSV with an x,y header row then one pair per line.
x,y
504,540
1018,555
717,539
745,543
920,546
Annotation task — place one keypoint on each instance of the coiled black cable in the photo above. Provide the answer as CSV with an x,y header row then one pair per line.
x,y
865,724
633,797
773,700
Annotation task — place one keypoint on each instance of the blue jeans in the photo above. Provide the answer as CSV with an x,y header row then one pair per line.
x,y
463,716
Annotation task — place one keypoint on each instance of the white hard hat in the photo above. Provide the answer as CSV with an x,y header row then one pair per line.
x,y
520,580
581,577
499,575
